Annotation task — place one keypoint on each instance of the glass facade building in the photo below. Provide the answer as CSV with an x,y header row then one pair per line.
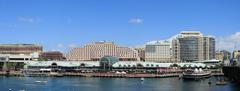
x,y
192,46
189,49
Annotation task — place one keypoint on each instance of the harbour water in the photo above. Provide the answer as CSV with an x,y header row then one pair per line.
x,y
110,84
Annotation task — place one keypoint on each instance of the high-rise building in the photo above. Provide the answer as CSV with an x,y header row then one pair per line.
x,y
193,46
98,50
158,51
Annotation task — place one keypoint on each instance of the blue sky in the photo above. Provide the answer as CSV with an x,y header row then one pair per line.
x,y
60,24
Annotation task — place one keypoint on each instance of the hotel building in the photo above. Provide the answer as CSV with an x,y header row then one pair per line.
x,y
24,52
158,51
98,50
191,46
51,55
26,49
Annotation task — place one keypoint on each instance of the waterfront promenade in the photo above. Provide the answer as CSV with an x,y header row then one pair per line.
x,y
114,75
100,74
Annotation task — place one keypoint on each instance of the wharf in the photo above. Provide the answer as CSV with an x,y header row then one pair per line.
x,y
99,74
11,73
114,75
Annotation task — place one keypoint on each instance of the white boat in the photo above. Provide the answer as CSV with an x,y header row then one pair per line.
x,y
55,74
41,81
196,74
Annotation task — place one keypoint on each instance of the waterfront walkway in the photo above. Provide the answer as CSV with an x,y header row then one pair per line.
x,y
114,75
106,74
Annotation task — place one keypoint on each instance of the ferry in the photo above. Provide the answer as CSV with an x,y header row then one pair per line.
x,y
196,74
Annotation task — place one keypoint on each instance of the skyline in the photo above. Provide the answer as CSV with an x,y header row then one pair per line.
x,y
58,24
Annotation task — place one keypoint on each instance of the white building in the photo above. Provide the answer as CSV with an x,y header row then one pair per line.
x,y
20,57
97,50
159,51
190,46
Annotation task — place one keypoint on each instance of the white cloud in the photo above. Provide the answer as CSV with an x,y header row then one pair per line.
x,y
228,42
56,50
235,37
136,21
71,45
60,45
140,46
26,19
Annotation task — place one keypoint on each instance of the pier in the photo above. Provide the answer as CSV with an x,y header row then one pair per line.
x,y
97,74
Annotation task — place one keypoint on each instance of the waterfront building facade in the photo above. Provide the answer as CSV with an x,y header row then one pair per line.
x,y
25,49
226,55
235,54
219,55
51,55
107,63
141,53
14,57
20,52
98,50
159,51
191,46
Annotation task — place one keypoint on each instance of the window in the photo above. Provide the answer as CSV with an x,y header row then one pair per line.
x,y
147,65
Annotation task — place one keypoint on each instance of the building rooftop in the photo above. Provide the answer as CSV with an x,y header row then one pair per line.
x,y
19,45
161,42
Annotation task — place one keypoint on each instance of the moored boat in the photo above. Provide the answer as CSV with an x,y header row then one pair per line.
x,y
196,74
221,83
56,74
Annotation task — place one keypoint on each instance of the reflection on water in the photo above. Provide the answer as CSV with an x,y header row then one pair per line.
x,y
110,84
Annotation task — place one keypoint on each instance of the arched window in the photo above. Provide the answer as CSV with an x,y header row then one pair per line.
x,y
82,65
54,64
139,65
147,65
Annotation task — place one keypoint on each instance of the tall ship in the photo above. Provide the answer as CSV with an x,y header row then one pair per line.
x,y
196,74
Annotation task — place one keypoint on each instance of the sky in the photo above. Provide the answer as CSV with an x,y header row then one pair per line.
x,y
63,24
